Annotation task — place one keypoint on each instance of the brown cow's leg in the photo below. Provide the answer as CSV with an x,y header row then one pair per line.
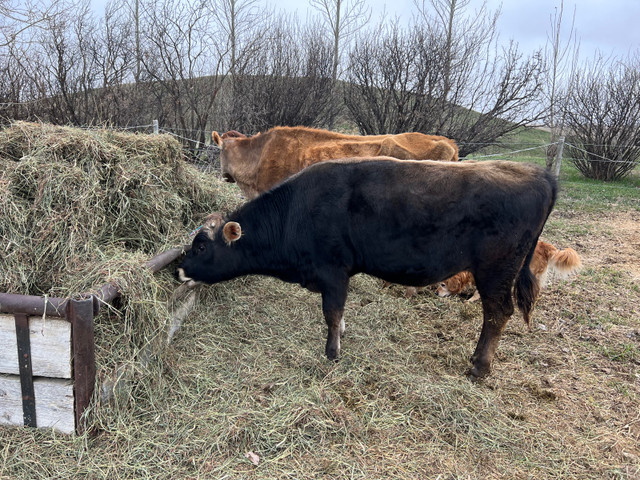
x,y
496,313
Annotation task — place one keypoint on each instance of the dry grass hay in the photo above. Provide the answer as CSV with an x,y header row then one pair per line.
x,y
79,204
80,208
245,380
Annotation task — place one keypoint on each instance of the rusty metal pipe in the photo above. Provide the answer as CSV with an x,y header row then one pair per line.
x,y
32,304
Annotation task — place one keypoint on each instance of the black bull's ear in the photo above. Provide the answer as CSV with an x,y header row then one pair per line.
x,y
231,232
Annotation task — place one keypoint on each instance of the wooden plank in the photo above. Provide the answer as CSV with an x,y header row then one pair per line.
x,y
50,346
54,403
10,400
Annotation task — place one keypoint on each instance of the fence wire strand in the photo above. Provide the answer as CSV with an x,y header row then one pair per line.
x,y
206,157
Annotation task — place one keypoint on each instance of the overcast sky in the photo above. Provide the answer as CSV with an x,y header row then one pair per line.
x,y
608,25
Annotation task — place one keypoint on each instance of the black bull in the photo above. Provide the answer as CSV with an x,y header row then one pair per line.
x,y
407,222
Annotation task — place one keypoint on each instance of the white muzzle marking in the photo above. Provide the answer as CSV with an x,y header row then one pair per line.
x,y
183,278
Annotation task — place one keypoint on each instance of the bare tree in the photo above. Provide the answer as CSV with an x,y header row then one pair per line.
x,y
238,19
37,41
59,65
287,81
183,57
561,57
343,18
461,86
603,118
245,30
14,88
16,17
118,98
394,80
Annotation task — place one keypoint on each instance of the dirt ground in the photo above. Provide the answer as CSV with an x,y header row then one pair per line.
x,y
247,374
618,245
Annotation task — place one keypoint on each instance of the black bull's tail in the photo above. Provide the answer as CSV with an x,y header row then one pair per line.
x,y
526,288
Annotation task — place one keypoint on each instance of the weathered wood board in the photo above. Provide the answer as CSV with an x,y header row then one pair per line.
x,y
50,346
54,403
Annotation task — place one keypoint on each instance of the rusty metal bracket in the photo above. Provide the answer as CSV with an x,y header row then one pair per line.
x,y
80,314
32,304
26,372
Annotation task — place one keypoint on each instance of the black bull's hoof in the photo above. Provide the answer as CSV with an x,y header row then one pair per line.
x,y
477,372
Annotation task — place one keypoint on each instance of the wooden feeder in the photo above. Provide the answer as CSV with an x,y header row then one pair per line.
x,y
47,355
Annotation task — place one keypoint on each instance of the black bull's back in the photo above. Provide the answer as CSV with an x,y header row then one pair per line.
x,y
408,222
417,223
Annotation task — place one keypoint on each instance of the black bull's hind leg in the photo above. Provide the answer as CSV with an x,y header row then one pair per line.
x,y
333,300
496,309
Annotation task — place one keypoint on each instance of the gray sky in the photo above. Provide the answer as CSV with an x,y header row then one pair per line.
x,y
608,25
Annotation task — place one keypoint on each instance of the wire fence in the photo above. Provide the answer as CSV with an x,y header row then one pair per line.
x,y
206,156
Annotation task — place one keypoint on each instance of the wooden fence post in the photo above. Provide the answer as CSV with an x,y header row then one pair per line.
x,y
559,156
156,127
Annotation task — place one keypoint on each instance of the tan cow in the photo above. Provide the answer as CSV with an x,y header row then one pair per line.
x,y
262,161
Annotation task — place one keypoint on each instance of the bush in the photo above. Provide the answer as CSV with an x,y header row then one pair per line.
x,y
603,114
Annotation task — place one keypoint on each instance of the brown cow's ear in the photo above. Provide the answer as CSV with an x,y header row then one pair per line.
x,y
231,232
216,138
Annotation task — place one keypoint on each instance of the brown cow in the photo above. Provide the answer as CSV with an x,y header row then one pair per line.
x,y
545,257
262,161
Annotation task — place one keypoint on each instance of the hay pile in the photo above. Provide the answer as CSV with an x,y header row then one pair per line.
x,y
81,208
77,206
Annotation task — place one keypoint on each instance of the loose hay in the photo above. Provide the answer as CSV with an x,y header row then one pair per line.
x,y
80,208
72,199
246,373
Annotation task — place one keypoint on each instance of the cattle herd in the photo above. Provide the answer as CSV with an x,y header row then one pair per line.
x,y
324,206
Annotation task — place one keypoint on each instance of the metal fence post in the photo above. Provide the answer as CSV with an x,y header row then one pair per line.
x,y
26,372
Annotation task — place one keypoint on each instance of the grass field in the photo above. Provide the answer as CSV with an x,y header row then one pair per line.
x,y
245,392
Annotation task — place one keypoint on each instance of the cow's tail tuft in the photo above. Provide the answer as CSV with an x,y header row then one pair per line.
x,y
527,288
565,262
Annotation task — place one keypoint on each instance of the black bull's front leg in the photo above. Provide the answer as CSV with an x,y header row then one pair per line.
x,y
496,314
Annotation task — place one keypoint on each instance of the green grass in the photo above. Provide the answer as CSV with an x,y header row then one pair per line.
x,y
577,192
626,352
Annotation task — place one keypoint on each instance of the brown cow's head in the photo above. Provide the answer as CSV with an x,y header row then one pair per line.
x,y
239,158
222,142
455,284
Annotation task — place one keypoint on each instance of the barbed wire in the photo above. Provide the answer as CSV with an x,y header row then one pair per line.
x,y
510,153
546,146
602,158
164,130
